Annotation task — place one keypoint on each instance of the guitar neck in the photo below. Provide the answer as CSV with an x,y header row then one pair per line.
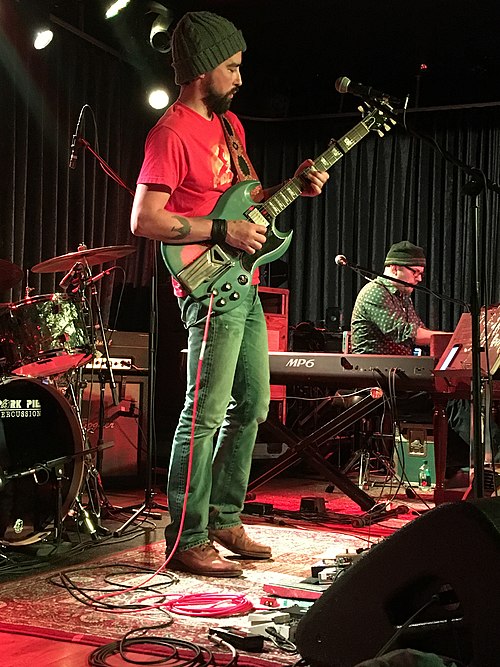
x,y
289,192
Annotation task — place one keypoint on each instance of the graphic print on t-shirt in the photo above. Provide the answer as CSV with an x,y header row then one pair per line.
x,y
221,165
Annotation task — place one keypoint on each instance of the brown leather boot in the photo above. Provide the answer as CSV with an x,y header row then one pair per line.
x,y
204,560
236,540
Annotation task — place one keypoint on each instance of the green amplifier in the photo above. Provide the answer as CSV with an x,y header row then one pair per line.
x,y
413,446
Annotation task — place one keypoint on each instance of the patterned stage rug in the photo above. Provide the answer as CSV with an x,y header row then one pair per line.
x,y
37,606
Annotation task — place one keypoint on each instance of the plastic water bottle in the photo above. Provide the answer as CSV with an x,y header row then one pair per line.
x,y
424,476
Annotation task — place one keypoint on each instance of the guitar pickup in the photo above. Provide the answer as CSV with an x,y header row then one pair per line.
x,y
207,267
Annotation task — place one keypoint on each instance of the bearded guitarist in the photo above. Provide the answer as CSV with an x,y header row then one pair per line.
x,y
187,167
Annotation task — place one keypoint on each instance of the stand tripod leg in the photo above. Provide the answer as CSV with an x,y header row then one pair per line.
x,y
85,518
143,509
97,499
58,521
149,502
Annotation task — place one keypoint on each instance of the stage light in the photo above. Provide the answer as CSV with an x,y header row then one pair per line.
x,y
161,29
36,21
43,37
158,98
115,8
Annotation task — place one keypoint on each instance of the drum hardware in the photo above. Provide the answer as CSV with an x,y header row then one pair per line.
x,y
38,421
96,496
58,468
42,338
87,256
101,506
79,277
37,424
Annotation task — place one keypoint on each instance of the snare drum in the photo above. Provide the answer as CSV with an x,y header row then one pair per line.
x,y
44,335
37,428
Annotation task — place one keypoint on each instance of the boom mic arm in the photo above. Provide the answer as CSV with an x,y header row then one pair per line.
x,y
344,85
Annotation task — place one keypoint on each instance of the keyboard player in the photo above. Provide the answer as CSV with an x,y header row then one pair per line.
x,y
384,321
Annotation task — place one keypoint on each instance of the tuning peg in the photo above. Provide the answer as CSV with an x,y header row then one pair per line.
x,y
380,133
361,108
387,127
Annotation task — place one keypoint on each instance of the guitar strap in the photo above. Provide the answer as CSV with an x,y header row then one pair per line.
x,y
244,168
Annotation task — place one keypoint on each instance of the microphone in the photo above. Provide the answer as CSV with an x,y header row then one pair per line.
x,y
341,260
68,278
98,276
344,85
75,144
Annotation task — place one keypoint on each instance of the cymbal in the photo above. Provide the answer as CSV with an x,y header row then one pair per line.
x,y
89,256
10,274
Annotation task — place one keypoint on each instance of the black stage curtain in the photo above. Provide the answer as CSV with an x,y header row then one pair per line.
x,y
387,189
47,209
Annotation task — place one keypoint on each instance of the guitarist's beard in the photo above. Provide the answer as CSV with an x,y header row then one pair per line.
x,y
217,103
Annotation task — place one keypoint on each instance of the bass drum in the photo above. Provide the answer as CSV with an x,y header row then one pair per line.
x,y
38,428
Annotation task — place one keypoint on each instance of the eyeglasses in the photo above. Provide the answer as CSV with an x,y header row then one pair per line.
x,y
419,271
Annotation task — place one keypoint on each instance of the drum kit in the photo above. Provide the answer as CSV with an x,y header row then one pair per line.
x,y
45,341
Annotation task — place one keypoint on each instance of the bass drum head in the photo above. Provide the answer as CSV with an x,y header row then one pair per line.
x,y
39,436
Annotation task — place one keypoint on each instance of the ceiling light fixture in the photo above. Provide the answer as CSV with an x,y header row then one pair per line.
x,y
161,29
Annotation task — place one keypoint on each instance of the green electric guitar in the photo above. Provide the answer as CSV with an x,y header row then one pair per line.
x,y
226,272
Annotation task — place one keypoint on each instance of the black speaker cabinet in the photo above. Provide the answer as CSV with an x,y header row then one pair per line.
x,y
453,553
123,427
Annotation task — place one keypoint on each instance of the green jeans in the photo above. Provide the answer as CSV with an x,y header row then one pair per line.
x,y
233,400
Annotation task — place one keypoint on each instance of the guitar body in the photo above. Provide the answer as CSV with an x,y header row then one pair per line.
x,y
226,273
203,269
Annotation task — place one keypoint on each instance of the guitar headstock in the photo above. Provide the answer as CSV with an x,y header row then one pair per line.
x,y
378,119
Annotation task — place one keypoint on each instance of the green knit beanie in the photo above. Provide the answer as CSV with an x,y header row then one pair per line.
x,y
200,42
405,253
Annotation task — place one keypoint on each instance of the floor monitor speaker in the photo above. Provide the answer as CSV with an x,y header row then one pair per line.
x,y
441,569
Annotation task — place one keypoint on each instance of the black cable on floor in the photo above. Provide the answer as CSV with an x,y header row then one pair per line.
x,y
82,594
198,656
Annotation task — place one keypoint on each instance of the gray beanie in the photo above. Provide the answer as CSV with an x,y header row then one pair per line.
x,y
200,42
405,253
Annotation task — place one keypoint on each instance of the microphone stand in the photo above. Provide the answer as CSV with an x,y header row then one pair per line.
x,y
473,189
478,181
149,501
371,272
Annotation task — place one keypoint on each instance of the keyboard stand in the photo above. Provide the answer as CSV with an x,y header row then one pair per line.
x,y
312,448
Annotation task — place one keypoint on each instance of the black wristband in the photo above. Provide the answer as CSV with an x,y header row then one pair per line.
x,y
219,230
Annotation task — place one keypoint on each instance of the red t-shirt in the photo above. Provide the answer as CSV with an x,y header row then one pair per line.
x,y
188,153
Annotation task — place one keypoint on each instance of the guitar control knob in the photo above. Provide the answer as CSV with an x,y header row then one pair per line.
x,y
226,287
215,292
235,296
242,279
220,303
